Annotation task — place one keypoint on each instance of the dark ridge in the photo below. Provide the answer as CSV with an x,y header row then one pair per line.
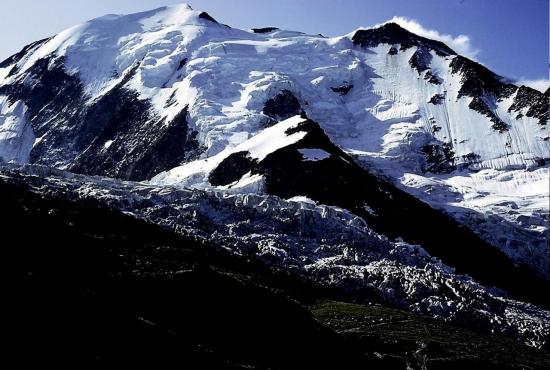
x,y
479,105
232,169
431,78
478,80
141,147
420,60
439,157
538,104
393,51
18,56
342,90
264,30
182,64
283,106
338,181
205,15
437,99
392,33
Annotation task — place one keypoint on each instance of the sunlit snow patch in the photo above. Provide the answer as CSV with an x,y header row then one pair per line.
x,y
258,147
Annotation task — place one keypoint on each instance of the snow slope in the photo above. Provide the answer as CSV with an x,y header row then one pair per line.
x,y
135,87
195,174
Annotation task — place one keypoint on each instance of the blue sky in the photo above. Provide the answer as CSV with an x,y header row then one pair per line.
x,y
509,36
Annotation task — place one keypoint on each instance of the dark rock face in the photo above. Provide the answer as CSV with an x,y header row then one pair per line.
x,y
232,169
437,99
481,84
477,80
265,30
421,60
182,64
431,78
75,134
131,157
392,33
537,104
282,106
55,101
439,157
342,90
471,158
393,51
208,17
479,105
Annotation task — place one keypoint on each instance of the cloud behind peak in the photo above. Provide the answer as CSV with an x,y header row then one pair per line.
x,y
461,44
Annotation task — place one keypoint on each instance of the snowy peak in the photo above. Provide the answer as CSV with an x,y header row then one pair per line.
x,y
108,46
229,82
137,95
181,14
393,34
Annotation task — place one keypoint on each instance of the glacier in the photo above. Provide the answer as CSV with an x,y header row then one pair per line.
x,y
327,245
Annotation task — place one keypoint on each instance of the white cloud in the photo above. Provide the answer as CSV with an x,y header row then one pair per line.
x,y
461,43
540,85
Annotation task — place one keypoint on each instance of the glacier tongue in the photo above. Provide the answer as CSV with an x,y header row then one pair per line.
x,y
327,245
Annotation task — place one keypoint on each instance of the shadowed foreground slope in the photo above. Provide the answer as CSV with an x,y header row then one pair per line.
x,y
85,284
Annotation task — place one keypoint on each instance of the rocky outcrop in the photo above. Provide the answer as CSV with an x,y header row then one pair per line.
x,y
283,106
393,34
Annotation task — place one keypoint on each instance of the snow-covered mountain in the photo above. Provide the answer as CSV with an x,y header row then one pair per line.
x,y
136,95
382,91
369,122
